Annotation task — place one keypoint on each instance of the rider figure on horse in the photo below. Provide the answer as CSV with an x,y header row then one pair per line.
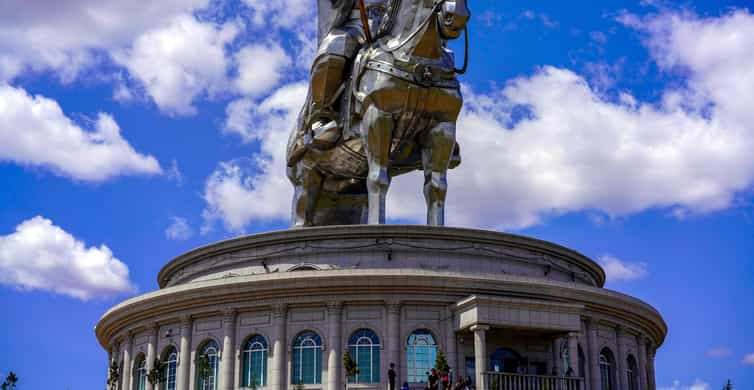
x,y
340,43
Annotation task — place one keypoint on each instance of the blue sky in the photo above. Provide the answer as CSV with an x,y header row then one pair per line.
x,y
131,132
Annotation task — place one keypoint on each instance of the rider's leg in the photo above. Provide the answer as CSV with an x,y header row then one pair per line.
x,y
436,154
329,69
377,131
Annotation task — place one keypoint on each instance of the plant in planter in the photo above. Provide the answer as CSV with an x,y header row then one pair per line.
x,y
351,367
157,373
113,376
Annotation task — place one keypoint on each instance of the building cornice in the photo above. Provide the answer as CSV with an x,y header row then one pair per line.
x,y
311,286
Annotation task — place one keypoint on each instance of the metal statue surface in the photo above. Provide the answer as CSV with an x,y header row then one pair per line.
x,y
383,101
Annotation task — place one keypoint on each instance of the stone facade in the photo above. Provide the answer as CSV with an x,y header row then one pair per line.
x,y
490,301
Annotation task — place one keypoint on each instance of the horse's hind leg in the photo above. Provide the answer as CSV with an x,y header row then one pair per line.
x,y
436,154
377,132
307,186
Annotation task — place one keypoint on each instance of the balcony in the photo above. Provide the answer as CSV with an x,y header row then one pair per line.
x,y
502,381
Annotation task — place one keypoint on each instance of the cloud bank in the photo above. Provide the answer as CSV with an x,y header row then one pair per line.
x,y
42,256
35,132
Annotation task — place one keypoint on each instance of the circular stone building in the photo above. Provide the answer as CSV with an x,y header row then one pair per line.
x,y
280,310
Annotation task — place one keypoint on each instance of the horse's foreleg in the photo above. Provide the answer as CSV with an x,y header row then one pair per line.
x,y
306,193
377,131
436,155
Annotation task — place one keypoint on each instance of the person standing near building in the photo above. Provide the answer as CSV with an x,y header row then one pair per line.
x,y
433,380
391,377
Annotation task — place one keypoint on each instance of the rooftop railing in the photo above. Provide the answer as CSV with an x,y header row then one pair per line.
x,y
502,381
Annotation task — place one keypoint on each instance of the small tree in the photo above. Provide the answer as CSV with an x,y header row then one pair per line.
x,y
204,367
728,386
156,374
113,376
350,366
441,364
10,381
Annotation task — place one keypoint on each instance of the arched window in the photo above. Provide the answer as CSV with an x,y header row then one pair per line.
x,y
206,372
606,369
169,366
255,362
307,359
303,267
169,360
364,346
421,355
632,373
140,373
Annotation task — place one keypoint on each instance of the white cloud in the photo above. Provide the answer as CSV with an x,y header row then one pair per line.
x,y
179,229
550,143
64,35
580,151
698,385
715,53
618,270
242,191
36,132
180,62
719,352
281,13
174,173
749,359
42,256
260,68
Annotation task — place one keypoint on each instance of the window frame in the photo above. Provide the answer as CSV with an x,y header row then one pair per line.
x,y
607,370
212,349
169,364
305,341
415,375
250,348
140,373
374,347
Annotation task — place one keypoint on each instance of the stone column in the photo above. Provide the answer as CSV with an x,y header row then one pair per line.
x,y
228,359
184,363
593,356
620,359
642,356
277,371
127,371
573,354
460,358
394,339
152,350
450,342
555,367
480,353
334,362
651,365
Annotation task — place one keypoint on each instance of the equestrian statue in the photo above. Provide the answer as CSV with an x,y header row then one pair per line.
x,y
383,101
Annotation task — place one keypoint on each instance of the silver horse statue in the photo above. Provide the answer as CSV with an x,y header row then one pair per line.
x,y
396,113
